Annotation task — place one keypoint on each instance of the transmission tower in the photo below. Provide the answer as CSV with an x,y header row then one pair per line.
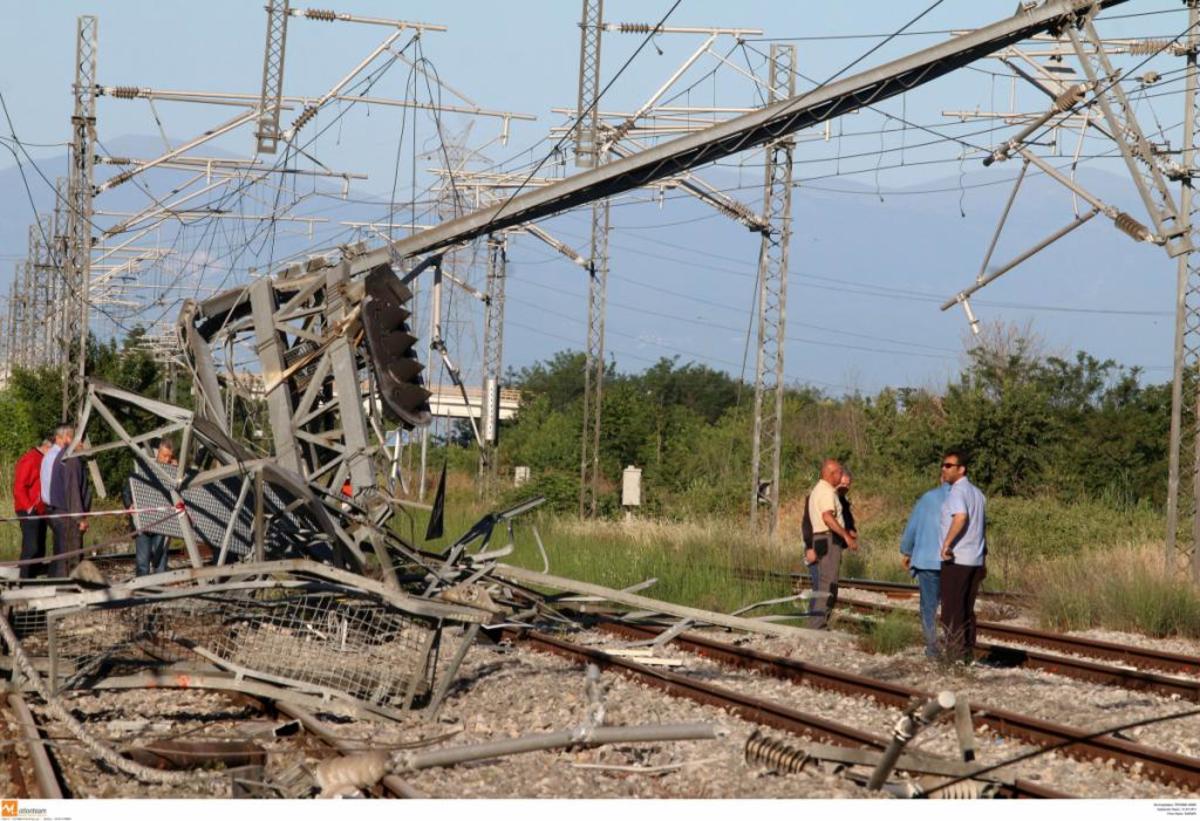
x,y
80,190
587,154
1183,484
772,304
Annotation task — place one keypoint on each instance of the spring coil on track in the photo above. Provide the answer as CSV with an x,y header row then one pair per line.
x,y
775,755
967,789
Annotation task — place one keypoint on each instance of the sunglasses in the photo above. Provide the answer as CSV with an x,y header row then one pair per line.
x,y
951,465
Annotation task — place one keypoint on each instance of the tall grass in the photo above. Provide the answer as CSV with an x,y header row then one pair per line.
x,y
1123,588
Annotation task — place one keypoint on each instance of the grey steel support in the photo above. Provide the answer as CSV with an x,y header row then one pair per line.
x,y
587,155
268,134
80,190
586,136
1183,482
493,359
1136,150
593,367
346,384
270,353
772,305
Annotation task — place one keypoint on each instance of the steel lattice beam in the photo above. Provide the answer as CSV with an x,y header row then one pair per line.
x,y
593,368
772,304
493,358
80,190
268,134
590,28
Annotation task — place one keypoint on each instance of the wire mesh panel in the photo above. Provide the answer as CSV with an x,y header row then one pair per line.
x,y
348,648
209,507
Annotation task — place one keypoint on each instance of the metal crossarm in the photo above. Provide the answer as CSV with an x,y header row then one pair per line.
x,y
748,131
1135,148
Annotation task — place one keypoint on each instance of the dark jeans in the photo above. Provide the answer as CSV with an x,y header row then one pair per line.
x,y
824,585
60,526
150,551
960,585
33,544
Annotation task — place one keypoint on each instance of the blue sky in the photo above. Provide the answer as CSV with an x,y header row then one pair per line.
x,y
866,273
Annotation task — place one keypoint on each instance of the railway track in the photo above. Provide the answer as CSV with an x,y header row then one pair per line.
x,y
1160,765
1141,658
753,709
1138,657
870,585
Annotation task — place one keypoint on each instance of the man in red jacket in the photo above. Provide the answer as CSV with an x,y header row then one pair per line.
x,y
27,502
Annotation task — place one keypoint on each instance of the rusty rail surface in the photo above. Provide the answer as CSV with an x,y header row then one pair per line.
x,y
1159,765
750,708
49,781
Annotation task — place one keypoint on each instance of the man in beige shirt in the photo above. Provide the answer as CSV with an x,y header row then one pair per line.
x,y
830,538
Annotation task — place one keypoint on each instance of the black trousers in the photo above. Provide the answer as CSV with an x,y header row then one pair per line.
x,y
59,526
960,586
33,544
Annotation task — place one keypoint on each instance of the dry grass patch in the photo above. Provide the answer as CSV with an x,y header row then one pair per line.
x,y
1124,588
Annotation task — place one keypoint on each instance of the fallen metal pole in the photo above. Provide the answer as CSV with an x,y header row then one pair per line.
x,y
523,576
907,727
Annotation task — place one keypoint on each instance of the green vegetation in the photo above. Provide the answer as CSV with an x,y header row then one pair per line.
x,y
1122,588
889,635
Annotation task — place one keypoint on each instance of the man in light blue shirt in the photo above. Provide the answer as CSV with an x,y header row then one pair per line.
x,y
964,549
920,550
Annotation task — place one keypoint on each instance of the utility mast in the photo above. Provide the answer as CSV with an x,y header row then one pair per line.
x,y
772,304
493,360
1183,485
80,190
587,155
268,134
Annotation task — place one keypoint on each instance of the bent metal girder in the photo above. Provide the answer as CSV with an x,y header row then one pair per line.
x,y
748,131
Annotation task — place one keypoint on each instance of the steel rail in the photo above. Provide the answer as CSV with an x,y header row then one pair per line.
x,y
749,708
1159,765
48,782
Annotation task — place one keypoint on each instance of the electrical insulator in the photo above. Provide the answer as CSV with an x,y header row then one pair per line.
x,y
392,348
1127,224
1069,98
125,92
634,28
1147,47
305,115
320,14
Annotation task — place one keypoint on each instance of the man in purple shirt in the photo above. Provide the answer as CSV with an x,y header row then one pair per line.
x,y
964,549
